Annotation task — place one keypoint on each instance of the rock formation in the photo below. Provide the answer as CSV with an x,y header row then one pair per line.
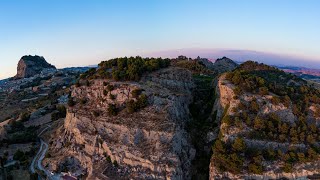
x,y
224,64
148,144
220,65
29,66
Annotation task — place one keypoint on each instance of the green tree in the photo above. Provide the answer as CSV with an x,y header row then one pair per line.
x,y
25,116
258,123
239,145
112,110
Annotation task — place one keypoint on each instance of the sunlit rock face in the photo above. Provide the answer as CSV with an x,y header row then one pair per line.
x,y
29,66
151,143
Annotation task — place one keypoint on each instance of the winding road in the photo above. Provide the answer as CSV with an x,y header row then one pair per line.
x,y
37,160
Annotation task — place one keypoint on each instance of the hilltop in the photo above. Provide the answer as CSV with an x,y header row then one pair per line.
x,y
29,66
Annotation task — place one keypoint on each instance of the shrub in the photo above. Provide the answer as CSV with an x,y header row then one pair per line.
x,y
136,93
87,83
83,101
25,116
19,155
115,163
61,113
110,87
142,101
287,167
112,96
77,84
105,92
263,91
105,83
254,168
112,110
96,113
71,102
109,159
275,100
131,106
239,145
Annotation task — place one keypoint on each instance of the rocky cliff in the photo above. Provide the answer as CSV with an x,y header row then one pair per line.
x,y
29,66
148,144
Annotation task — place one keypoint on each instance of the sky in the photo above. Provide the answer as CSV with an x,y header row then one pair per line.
x,y
85,32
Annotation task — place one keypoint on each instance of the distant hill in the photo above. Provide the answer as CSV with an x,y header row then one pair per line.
x,y
241,56
29,66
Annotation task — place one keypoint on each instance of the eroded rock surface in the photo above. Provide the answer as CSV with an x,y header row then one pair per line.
x,y
149,144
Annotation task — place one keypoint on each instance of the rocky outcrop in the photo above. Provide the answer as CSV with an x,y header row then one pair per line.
x,y
29,66
225,101
224,65
149,144
220,65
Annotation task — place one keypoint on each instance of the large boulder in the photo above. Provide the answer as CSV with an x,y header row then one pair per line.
x,y
29,66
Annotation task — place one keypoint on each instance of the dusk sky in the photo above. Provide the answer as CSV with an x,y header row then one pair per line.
x,y
78,32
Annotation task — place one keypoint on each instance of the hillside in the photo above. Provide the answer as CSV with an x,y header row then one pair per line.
x,y
269,125
154,118
138,125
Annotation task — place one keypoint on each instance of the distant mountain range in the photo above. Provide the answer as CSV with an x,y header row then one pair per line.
x,y
241,56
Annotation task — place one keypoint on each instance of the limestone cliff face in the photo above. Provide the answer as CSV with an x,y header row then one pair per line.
x,y
148,144
225,94
29,66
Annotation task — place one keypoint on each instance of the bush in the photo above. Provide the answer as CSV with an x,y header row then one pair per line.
x,y
77,84
109,159
115,163
275,100
239,145
287,168
105,92
25,116
142,101
87,83
62,112
83,101
112,96
96,113
19,155
131,106
136,93
255,169
263,91
110,87
112,110
71,102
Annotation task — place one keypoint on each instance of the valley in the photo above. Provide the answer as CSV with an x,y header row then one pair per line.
x,y
154,118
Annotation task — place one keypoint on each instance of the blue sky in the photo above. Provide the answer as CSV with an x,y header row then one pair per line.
x,y
79,32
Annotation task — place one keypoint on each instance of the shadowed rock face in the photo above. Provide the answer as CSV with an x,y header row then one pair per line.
x,y
220,65
29,66
224,64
